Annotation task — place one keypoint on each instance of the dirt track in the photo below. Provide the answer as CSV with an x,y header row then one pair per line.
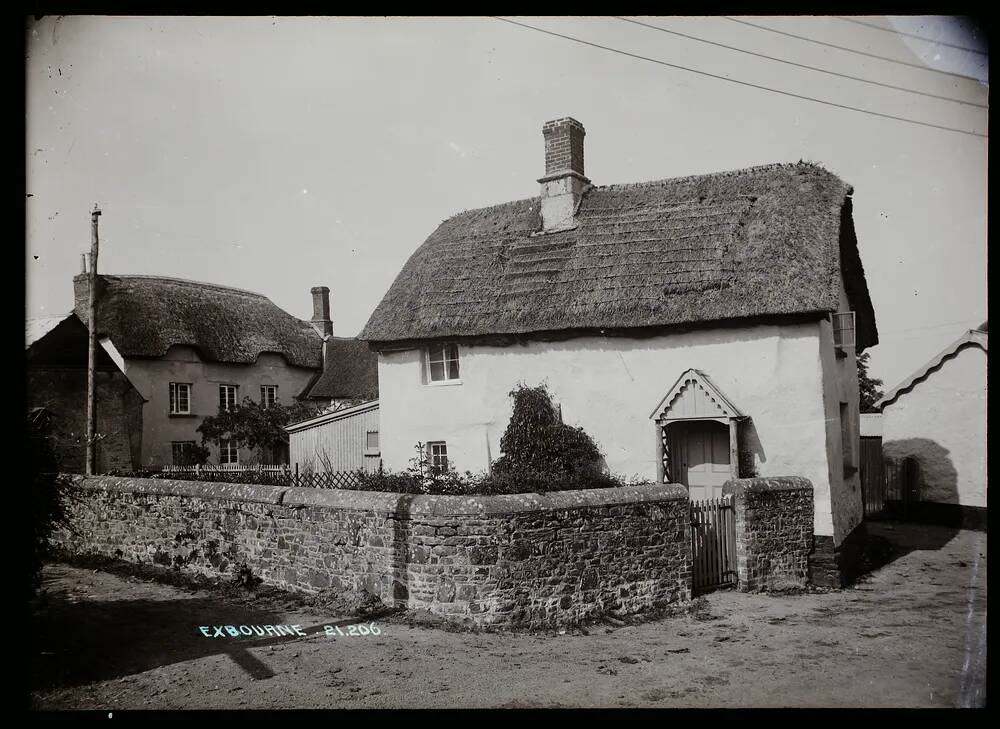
x,y
911,634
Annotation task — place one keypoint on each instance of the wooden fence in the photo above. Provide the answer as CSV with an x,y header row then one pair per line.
x,y
889,487
713,543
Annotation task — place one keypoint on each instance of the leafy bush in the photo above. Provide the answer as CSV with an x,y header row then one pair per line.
x,y
255,425
537,445
46,492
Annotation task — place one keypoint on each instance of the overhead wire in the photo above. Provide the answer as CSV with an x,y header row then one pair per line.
x,y
801,65
742,83
850,50
913,35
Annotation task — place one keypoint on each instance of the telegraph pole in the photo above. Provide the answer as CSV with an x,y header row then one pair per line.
x,y
92,345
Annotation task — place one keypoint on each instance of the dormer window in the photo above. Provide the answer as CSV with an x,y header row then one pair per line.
x,y
843,332
442,363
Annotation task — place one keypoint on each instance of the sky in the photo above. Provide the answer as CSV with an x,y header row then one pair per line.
x,y
277,153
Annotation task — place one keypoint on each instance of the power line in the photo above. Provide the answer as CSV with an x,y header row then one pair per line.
x,y
912,35
741,83
930,326
802,65
849,50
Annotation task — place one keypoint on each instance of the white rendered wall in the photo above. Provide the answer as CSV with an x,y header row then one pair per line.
x,y
942,422
610,386
840,385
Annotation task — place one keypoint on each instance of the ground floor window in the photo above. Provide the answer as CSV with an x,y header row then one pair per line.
x,y
437,454
183,452
228,452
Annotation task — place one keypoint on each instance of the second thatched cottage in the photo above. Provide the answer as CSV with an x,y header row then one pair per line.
x,y
699,329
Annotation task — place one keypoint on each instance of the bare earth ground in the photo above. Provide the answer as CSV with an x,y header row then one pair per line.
x,y
910,634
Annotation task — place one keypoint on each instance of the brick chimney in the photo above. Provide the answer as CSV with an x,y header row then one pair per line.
x,y
564,182
321,310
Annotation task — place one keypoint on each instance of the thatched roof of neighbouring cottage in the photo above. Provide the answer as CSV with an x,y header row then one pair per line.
x,y
351,371
742,245
146,315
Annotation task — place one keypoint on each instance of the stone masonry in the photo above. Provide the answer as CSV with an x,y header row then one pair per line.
x,y
774,531
525,560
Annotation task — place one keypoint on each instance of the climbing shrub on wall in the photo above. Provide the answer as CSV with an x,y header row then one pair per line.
x,y
539,444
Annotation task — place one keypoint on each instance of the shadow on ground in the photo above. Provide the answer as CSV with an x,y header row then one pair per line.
x,y
78,641
889,540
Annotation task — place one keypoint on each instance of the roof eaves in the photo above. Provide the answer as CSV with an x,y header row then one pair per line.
x,y
972,337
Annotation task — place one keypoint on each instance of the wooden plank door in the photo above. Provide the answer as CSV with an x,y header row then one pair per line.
x,y
702,458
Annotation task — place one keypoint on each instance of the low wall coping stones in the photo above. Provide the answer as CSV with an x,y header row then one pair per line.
x,y
425,505
766,484
212,490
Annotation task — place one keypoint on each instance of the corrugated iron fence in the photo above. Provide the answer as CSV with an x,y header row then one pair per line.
x,y
713,543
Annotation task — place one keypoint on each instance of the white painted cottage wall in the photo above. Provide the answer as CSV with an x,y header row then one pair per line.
x,y
942,422
840,385
609,386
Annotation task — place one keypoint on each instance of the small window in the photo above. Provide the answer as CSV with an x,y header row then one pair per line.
x,y
371,440
437,455
227,397
228,452
268,395
847,442
180,398
442,363
843,330
183,452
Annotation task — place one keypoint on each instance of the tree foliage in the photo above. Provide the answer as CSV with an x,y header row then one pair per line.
x,y
46,492
255,425
870,388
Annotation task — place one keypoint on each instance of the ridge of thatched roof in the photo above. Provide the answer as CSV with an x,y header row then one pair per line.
x,y
146,315
351,371
772,240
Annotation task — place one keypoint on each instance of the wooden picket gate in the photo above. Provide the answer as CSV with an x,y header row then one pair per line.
x,y
713,544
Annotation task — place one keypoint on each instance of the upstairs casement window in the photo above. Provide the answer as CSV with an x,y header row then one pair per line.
x,y
227,397
437,456
268,395
442,363
180,398
228,452
843,332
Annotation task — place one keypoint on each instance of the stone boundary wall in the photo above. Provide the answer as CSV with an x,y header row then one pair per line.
x,y
523,560
774,531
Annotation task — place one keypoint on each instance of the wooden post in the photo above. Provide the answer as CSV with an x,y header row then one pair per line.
x,y
92,345
659,452
734,448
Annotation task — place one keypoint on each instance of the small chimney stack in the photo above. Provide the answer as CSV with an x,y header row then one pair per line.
x,y
321,310
83,263
564,183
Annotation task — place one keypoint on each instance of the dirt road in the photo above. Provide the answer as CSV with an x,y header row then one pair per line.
x,y
911,634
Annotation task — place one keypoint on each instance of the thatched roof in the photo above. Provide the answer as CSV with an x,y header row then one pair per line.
x,y
760,242
351,371
145,315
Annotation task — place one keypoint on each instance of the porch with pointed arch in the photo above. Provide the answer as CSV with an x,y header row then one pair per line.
x,y
697,436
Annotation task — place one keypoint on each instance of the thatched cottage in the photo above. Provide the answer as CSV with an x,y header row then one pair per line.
x,y
192,348
937,416
697,328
